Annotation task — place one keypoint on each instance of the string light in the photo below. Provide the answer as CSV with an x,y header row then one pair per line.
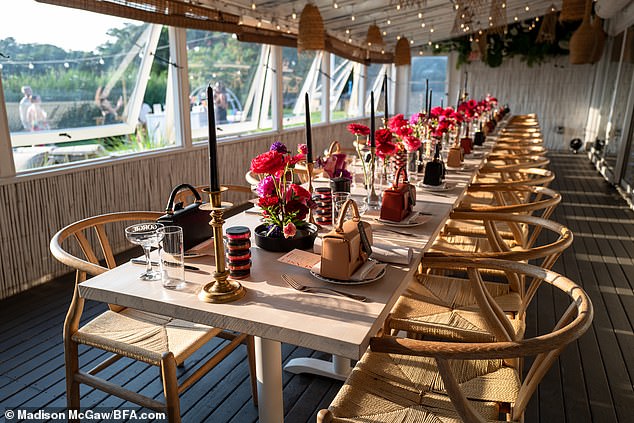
x,y
420,15
347,31
420,52
253,6
411,41
516,19
527,8
431,30
389,21
31,66
66,65
429,42
335,5
294,14
384,33
422,25
398,7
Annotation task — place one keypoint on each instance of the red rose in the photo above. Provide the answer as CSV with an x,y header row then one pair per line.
x,y
298,193
382,136
270,162
295,206
436,111
358,129
386,149
266,202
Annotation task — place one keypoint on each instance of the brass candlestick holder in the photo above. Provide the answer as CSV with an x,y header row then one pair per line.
x,y
372,199
222,289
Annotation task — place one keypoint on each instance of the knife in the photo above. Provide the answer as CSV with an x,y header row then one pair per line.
x,y
156,263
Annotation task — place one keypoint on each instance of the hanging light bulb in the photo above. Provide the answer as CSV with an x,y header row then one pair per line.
x,y
420,15
422,25
411,41
253,6
431,30
398,6
429,42
389,21
294,14
516,18
537,19
437,46
335,5
420,52
352,18
384,33
398,37
347,31
101,62
527,8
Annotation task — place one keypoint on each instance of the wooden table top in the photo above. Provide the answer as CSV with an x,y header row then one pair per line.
x,y
271,309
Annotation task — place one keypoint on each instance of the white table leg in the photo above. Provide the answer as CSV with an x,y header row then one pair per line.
x,y
268,361
339,368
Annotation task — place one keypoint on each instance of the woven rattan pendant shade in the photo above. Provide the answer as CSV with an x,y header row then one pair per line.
x,y
402,55
374,37
584,40
572,10
548,30
311,34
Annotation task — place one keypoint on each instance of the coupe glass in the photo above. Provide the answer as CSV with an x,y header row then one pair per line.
x,y
146,235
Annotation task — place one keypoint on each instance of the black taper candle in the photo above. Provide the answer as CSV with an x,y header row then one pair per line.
x,y
466,79
442,102
309,135
426,94
214,185
372,139
387,115
431,95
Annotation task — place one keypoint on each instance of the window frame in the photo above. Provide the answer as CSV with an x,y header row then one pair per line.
x,y
27,139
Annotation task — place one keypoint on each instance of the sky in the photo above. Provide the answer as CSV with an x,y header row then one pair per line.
x,y
30,22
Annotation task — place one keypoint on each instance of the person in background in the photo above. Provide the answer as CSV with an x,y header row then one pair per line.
x,y
25,102
220,103
35,115
109,112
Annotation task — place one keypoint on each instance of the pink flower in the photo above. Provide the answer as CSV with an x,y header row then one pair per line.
x,y
266,187
290,230
302,149
416,118
411,144
298,193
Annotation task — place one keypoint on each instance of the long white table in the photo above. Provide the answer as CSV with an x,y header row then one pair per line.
x,y
275,313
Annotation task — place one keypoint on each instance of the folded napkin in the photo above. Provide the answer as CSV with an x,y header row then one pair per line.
x,y
368,270
391,253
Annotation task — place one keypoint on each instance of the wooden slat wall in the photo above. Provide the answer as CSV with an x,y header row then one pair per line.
x,y
559,93
35,208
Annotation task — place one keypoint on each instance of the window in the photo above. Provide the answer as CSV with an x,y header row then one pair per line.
x,y
434,69
242,77
344,88
81,94
301,74
374,77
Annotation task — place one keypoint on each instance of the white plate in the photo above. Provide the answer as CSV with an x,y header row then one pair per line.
x,y
440,188
420,220
340,282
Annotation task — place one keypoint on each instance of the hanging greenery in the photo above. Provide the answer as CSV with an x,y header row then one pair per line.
x,y
520,39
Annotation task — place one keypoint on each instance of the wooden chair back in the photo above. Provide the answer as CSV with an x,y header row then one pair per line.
x,y
523,199
575,321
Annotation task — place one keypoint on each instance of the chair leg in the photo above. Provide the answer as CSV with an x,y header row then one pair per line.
x,y
71,357
170,388
252,374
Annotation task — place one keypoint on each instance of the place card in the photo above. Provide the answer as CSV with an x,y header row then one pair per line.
x,y
300,258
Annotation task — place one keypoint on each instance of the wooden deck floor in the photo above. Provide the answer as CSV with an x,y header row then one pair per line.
x,y
592,382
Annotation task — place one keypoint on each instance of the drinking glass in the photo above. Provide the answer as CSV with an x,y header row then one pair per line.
x,y
172,257
339,198
146,235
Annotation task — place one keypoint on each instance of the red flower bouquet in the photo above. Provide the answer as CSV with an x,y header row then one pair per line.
x,y
284,204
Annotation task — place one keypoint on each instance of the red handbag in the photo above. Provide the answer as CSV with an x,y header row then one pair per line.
x,y
398,199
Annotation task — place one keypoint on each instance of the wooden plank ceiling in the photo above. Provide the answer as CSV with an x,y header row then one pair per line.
x,y
420,21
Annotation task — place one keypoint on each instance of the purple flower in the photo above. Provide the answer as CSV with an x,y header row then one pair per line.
x,y
266,187
279,147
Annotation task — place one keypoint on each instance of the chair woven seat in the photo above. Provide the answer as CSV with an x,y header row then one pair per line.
x,y
445,307
467,244
144,336
394,388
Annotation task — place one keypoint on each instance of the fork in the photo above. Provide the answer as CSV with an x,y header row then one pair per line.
x,y
298,286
